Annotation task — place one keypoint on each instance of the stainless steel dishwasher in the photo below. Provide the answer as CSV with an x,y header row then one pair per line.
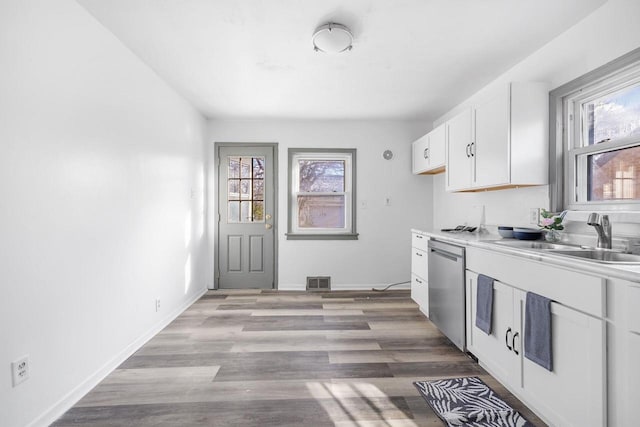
x,y
446,290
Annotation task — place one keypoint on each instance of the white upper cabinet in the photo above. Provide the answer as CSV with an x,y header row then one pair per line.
x,y
459,164
507,145
421,155
437,145
428,152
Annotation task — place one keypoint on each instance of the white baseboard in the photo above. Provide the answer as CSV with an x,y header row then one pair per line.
x,y
344,287
64,404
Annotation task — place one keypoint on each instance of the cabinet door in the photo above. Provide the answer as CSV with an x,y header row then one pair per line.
x,y
573,394
630,393
437,146
421,155
491,144
420,293
458,153
492,350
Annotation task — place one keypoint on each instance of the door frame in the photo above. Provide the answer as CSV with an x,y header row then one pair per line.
x,y
215,213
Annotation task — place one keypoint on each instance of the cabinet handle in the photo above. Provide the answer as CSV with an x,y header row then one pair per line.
x,y
513,342
472,149
426,153
418,280
418,253
467,149
418,236
506,339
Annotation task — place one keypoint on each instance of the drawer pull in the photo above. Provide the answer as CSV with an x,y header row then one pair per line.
x,y
418,253
506,339
418,236
418,280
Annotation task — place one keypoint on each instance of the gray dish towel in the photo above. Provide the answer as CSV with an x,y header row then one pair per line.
x,y
484,303
537,330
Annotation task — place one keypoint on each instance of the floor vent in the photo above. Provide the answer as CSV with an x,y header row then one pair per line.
x,y
321,283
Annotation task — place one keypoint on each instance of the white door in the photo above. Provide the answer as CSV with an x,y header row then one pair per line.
x,y
491,144
437,145
495,351
459,151
421,155
574,393
246,202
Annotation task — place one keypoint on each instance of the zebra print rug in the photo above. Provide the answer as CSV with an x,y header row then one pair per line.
x,y
469,402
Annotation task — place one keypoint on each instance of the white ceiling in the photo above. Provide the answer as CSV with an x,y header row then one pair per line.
x,y
412,59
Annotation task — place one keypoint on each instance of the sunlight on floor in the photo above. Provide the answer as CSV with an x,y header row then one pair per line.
x,y
358,404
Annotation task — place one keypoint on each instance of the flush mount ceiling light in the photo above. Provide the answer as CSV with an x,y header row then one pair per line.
x,y
332,38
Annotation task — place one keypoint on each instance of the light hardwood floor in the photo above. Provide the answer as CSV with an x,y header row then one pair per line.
x,y
267,358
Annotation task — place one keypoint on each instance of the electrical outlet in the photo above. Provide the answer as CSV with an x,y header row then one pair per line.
x,y
157,304
20,370
534,216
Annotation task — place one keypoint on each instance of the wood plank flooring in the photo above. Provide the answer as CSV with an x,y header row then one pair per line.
x,y
269,358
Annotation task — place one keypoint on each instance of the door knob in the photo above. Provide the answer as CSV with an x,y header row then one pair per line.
x,y
267,217
268,226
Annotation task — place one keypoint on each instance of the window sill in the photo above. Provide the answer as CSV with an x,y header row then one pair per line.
x,y
301,236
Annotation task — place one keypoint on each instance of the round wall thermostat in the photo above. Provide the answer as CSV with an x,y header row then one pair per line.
x,y
388,154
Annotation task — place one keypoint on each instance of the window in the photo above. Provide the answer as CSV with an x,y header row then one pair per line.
x,y
322,194
598,145
246,189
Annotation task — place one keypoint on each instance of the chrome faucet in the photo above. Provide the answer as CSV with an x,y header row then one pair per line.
x,y
603,228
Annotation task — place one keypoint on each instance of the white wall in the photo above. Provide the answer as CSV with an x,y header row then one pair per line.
x,y
98,158
381,254
609,32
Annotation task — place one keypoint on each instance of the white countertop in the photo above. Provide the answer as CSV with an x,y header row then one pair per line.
x,y
486,241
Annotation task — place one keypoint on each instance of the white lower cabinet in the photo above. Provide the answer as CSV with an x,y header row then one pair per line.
x,y
420,293
573,394
419,271
492,349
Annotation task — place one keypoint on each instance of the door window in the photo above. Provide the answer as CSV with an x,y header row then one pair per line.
x,y
245,189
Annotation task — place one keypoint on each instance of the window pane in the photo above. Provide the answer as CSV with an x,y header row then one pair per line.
x,y
245,189
321,211
258,168
258,189
321,176
234,167
245,212
614,175
613,116
234,189
245,167
258,211
234,212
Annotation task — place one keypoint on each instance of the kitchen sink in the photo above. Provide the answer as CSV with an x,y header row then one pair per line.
x,y
602,256
529,244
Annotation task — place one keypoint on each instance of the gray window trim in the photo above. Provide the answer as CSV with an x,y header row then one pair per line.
x,y
353,235
558,172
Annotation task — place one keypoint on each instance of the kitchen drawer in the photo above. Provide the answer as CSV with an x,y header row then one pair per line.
x,y
569,288
419,241
419,263
420,293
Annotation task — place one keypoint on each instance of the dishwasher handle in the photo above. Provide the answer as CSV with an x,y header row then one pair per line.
x,y
445,254
436,246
